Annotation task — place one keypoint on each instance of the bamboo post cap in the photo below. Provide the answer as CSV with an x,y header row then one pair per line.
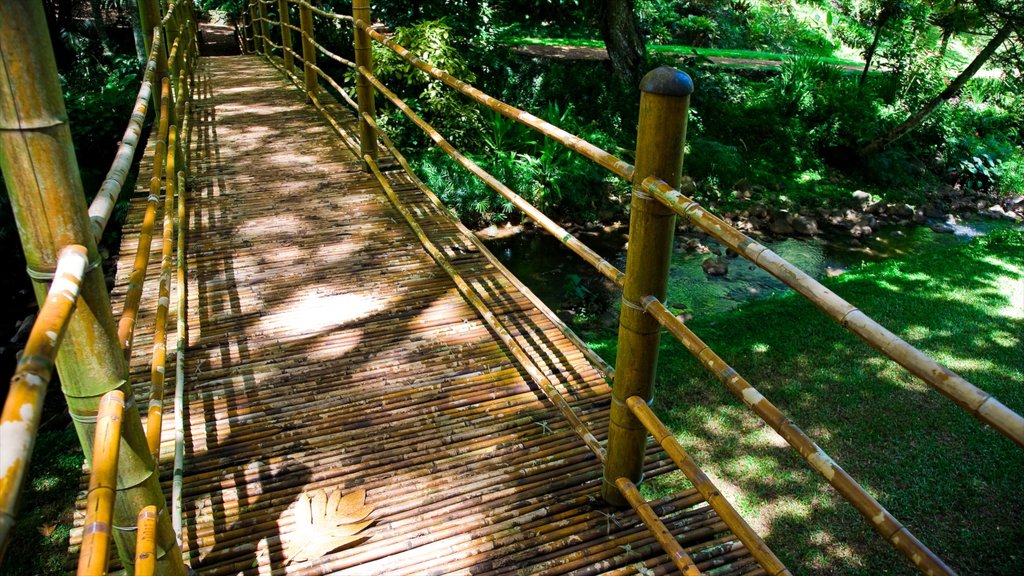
x,y
667,81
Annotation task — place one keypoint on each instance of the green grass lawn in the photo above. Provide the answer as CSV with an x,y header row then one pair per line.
x,y
956,484
679,50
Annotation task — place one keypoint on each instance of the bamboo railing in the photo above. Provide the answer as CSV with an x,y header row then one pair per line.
x,y
122,458
663,201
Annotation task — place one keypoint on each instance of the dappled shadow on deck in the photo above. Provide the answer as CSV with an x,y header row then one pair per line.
x,y
328,350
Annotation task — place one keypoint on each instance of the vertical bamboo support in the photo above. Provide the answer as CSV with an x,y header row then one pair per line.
x,y
149,18
261,6
41,173
364,92
664,104
286,36
257,39
145,547
99,503
308,52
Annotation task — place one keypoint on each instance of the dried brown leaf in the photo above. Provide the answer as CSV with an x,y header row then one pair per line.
x,y
326,521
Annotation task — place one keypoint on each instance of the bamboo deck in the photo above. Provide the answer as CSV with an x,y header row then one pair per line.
x,y
327,349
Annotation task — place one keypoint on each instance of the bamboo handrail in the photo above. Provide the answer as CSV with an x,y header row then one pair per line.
x,y
473,298
619,167
883,522
158,366
668,543
106,198
99,504
979,403
23,407
181,288
663,436
581,249
133,297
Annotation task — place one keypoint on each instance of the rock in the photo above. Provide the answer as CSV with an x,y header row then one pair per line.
x,y
490,232
693,244
931,211
854,243
861,199
758,211
805,226
684,317
861,231
716,266
780,223
868,220
942,228
997,212
919,217
877,207
902,210
1015,202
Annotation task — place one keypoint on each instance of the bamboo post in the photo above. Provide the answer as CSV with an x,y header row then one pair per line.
x,y
664,104
149,18
99,503
38,163
261,6
308,52
364,92
145,547
286,36
257,40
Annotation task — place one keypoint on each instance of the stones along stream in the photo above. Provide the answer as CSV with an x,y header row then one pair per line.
x,y
580,296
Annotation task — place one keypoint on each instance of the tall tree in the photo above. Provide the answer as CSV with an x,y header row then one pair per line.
x,y
1006,28
620,30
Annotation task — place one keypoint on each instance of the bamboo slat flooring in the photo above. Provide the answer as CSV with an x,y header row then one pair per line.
x,y
328,350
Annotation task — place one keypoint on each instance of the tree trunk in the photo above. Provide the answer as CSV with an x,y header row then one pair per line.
x,y
621,33
869,54
101,28
952,89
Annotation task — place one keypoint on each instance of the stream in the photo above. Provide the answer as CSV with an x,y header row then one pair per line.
x,y
589,302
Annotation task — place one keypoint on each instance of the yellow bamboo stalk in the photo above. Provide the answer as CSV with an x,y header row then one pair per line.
x,y
622,169
24,404
364,93
581,249
103,204
675,552
137,278
977,402
261,8
145,543
471,296
158,367
663,436
257,37
286,35
308,52
881,520
99,503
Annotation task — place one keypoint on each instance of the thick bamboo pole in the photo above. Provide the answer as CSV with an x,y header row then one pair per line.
x,y
99,503
668,543
137,279
38,163
261,7
881,520
664,104
467,292
257,37
103,204
286,35
24,404
149,20
308,52
771,564
158,367
145,547
979,403
364,93
571,141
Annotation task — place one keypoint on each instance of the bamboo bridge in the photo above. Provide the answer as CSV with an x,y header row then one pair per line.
x,y
361,388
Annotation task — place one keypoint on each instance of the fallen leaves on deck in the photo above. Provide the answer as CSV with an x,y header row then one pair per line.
x,y
325,522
